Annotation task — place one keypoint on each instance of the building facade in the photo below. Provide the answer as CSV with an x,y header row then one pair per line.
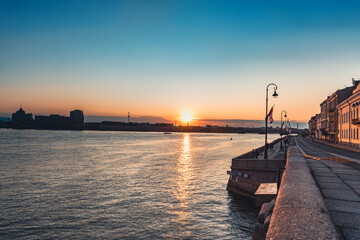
x,y
327,122
324,129
348,119
312,126
318,126
332,102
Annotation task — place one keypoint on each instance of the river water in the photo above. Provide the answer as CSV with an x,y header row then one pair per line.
x,y
121,185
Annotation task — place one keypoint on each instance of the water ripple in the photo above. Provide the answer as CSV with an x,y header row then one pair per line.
x,y
121,185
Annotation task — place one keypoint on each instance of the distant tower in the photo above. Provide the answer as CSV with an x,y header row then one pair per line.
x,y
128,117
77,118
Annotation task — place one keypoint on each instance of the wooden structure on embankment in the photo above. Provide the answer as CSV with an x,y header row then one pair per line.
x,y
248,173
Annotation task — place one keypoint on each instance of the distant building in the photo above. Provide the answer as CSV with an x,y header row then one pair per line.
x,y
55,121
77,118
324,128
328,127
348,119
21,119
333,101
318,126
312,126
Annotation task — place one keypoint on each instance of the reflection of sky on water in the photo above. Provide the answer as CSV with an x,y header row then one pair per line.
x,y
122,185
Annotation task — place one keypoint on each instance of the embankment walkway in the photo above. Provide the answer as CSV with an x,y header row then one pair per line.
x,y
300,211
338,182
318,198
276,152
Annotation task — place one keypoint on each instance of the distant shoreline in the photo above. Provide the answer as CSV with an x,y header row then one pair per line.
x,y
146,127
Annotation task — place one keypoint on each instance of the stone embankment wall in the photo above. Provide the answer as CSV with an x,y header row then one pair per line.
x,y
263,221
300,211
247,173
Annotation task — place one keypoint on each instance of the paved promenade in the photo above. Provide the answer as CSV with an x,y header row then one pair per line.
x,y
275,152
339,184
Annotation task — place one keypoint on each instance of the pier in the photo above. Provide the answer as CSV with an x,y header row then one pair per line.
x,y
248,173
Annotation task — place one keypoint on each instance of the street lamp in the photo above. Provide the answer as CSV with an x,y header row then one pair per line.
x,y
275,95
287,122
282,127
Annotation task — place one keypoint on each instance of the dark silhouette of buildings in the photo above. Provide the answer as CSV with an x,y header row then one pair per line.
x,y
77,118
20,119
55,121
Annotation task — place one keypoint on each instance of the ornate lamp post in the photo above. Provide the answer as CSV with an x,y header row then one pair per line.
x,y
275,95
282,127
286,124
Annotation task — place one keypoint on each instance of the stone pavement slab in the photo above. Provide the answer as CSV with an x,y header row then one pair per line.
x,y
320,169
346,220
326,174
349,177
351,234
333,164
346,171
340,194
340,187
330,185
338,205
328,179
353,184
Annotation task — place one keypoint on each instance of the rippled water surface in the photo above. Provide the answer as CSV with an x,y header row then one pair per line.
x,y
121,185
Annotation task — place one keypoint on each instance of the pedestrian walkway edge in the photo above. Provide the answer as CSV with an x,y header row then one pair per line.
x,y
300,211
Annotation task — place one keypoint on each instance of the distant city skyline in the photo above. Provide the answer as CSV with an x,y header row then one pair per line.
x,y
159,119
160,58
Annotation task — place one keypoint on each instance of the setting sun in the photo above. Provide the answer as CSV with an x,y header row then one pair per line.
x,y
186,116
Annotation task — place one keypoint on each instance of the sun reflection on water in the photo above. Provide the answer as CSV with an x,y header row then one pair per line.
x,y
183,189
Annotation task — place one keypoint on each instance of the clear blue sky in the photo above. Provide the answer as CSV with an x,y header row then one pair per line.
x,y
214,58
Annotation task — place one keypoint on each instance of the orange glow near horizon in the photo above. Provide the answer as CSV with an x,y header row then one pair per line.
x,y
63,99
186,116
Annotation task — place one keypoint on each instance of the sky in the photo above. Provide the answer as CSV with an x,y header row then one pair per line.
x,y
160,58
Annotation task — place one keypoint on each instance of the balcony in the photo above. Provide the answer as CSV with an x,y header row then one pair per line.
x,y
356,121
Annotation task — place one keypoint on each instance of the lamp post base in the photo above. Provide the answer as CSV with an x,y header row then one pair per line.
x,y
266,151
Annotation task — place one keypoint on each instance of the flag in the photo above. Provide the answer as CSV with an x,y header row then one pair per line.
x,y
269,116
